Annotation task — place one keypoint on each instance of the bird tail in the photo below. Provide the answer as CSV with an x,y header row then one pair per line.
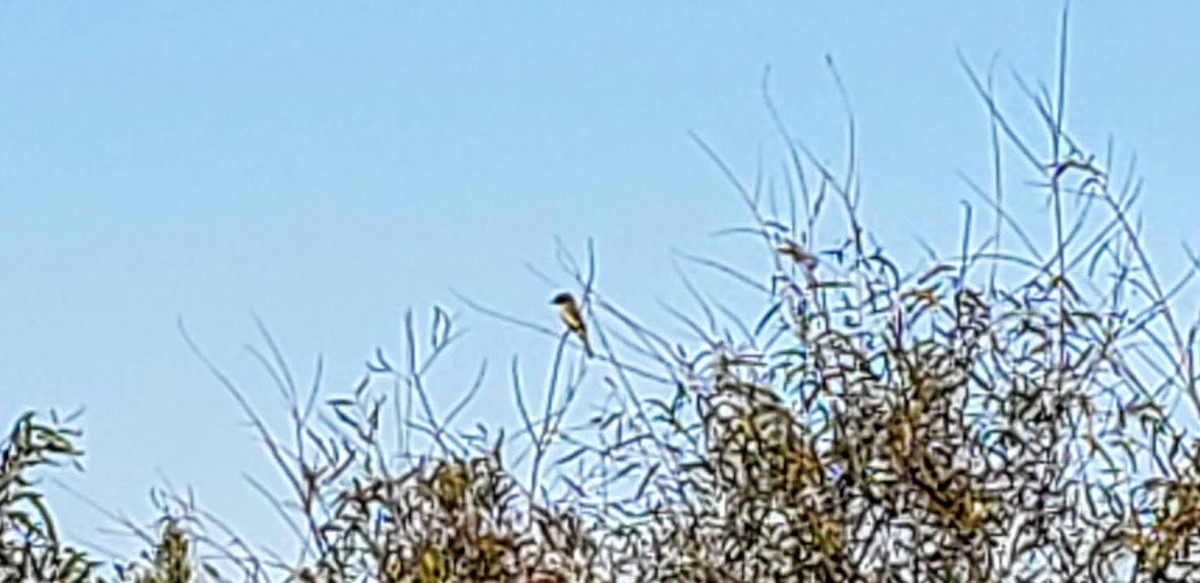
x,y
587,346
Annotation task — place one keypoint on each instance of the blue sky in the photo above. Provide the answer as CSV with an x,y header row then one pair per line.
x,y
329,167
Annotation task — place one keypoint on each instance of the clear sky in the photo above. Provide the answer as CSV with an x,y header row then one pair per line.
x,y
328,165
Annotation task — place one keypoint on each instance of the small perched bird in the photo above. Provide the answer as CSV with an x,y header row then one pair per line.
x,y
568,310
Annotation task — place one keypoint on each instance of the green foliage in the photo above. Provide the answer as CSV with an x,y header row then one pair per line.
x,y
30,547
172,560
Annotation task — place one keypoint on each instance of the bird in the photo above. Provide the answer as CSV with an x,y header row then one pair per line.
x,y
568,310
